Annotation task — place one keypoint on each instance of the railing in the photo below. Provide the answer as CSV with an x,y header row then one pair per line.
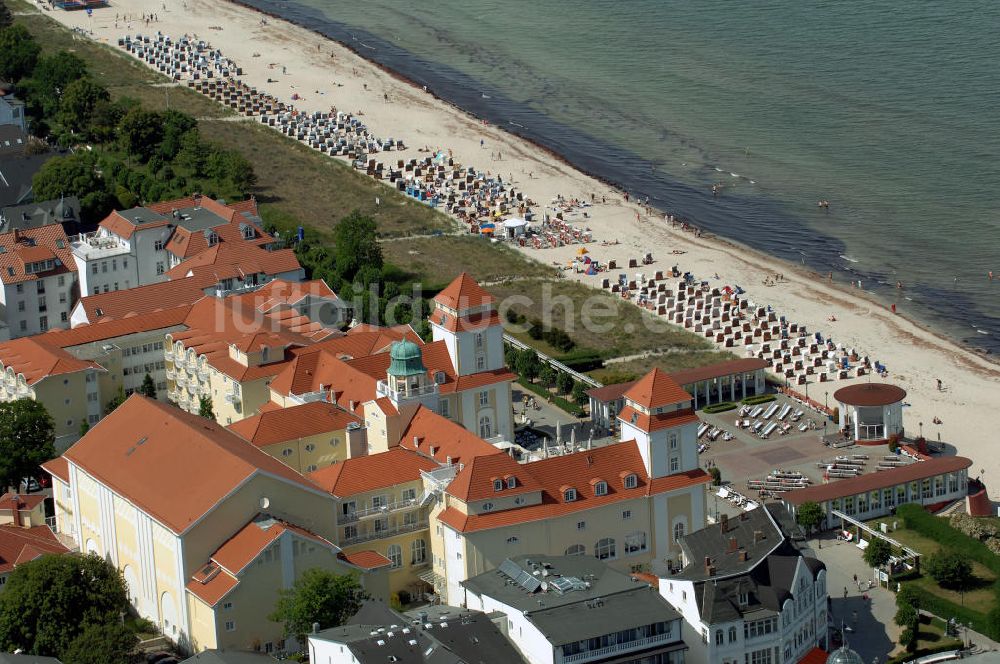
x,y
555,364
406,392
50,521
379,511
387,532
619,647
170,373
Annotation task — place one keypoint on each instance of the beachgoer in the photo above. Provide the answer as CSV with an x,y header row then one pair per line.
x,y
482,143
855,578
990,275
939,384
845,592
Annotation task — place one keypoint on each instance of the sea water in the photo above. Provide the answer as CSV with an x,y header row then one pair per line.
x,y
886,110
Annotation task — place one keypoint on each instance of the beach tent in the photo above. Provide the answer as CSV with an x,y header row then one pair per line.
x,y
515,227
582,251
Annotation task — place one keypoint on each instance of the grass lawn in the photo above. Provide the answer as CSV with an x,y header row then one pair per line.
x,y
621,372
435,261
593,319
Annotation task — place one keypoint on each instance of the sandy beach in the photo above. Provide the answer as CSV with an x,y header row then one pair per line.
x,y
325,75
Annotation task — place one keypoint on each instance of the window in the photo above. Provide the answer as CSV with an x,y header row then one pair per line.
x,y
513,539
605,549
20,305
732,635
444,408
409,495
678,531
93,268
24,325
631,481
485,426
719,637
158,245
601,488
487,507
379,501
479,339
42,305
310,447
350,532
480,363
227,606
484,398
511,482
286,452
569,495
43,323
498,485
104,266
230,625
675,464
63,316
62,280
673,441
159,267
626,515
395,555
418,552
581,525
635,542
576,550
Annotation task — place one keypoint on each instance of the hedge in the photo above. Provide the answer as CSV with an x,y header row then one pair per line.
x,y
945,609
719,407
923,652
918,519
566,405
760,398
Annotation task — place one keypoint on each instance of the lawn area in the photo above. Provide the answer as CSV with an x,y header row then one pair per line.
x,y
592,319
291,177
621,372
434,261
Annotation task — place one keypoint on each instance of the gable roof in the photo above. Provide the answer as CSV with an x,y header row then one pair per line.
x,y
143,300
112,329
441,439
20,545
36,359
374,471
20,248
173,465
463,293
656,389
283,424
476,479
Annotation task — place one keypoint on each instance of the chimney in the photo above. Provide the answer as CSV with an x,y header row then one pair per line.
x,y
352,406
743,556
732,545
725,523
416,441
17,235
315,627
758,536
709,567
15,515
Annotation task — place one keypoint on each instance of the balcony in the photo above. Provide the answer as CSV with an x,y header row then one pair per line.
x,y
202,374
382,534
384,390
378,511
180,379
607,651
233,398
170,373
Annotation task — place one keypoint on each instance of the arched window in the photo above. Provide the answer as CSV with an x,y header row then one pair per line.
x,y
635,542
395,555
601,488
485,427
631,481
569,495
605,548
719,637
732,635
678,531
418,552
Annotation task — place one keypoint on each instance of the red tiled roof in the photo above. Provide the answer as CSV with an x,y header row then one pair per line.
x,y
228,259
579,471
476,480
374,471
145,446
438,437
471,323
35,359
482,379
250,541
283,424
215,589
124,228
610,392
881,480
656,389
21,247
718,370
870,394
645,422
144,300
112,329
57,467
27,501
365,559
463,293
20,545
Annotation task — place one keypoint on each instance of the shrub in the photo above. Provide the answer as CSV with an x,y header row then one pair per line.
x,y
950,569
716,475
916,518
759,399
719,407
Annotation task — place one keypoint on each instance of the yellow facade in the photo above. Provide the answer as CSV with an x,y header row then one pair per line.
x,y
311,452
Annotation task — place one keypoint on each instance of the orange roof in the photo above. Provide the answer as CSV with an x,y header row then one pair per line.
x,y
656,422
581,471
143,300
20,545
375,471
58,468
657,389
22,247
250,541
476,480
214,589
35,359
471,323
463,293
230,259
439,438
280,291
123,227
815,656
365,559
276,426
481,379
24,501
173,465
112,329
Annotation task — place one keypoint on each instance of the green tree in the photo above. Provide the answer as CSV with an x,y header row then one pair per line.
x,y
48,602
355,245
877,553
74,175
140,133
50,80
318,596
79,103
108,643
809,515
716,475
547,376
18,53
579,391
148,387
84,428
564,383
176,126
115,401
27,439
528,364
205,407
950,569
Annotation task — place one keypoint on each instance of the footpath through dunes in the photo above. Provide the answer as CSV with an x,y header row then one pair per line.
x,y
324,73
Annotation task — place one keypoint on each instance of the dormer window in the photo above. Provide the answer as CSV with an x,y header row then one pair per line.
x,y
439,377
569,495
498,485
631,481
600,488
635,417
211,238
744,599
511,482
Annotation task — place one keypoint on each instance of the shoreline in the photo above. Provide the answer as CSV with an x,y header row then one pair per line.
x,y
804,271
916,355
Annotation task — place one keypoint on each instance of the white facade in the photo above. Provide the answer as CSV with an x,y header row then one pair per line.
x,y
664,451
108,262
39,305
12,112
788,634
